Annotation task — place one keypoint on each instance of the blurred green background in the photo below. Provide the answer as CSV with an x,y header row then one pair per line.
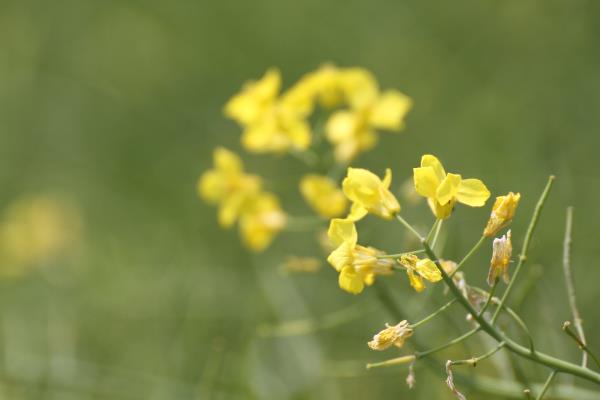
x,y
117,106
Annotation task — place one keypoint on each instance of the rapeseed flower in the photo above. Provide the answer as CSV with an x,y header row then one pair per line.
x,y
443,190
270,124
501,254
357,265
261,221
417,269
228,186
503,212
323,195
369,194
392,335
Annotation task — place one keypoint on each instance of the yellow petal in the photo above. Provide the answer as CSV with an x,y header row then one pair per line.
x,y
428,270
359,86
357,212
432,161
254,99
415,281
389,110
227,161
426,181
341,256
342,230
361,185
387,179
448,189
351,281
323,195
472,192
211,187
341,126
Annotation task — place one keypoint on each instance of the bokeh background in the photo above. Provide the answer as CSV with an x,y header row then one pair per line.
x,y
114,107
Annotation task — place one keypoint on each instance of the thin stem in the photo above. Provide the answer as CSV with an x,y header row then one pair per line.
x,y
474,360
526,241
438,228
409,227
538,357
432,230
469,254
546,385
569,282
567,329
463,337
489,299
394,361
434,314
398,255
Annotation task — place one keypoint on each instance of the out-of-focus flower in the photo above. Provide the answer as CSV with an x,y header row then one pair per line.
x,y
357,265
392,335
369,194
503,212
228,186
295,264
502,251
444,190
261,221
323,195
35,232
271,123
417,269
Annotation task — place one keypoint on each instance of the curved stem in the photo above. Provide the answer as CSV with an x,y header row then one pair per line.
x,y
434,314
469,254
489,299
421,354
526,241
546,385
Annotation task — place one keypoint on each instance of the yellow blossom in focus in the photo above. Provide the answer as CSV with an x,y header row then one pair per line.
x,y
503,212
261,222
502,252
417,269
270,123
369,194
357,265
444,190
323,195
392,335
228,186
35,232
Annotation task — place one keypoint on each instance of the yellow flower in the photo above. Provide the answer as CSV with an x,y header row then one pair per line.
x,y
354,131
392,335
420,268
369,194
502,251
444,190
503,212
261,222
270,123
323,195
37,232
356,264
228,186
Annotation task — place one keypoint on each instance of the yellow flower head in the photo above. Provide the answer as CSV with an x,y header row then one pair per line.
x,y
353,131
271,123
417,269
369,194
444,190
228,186
323,195
502,213
392,335
356,264
261,222
502,251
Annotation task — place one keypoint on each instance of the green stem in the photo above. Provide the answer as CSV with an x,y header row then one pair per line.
x,y
398,255
421,354
538,357
546,385
432,230
437,233
526,242
469,254
582,345
409,227
474,360
489,299
433,315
